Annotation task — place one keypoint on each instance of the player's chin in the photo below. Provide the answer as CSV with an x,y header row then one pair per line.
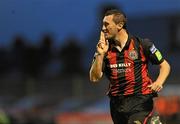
x,y
108,37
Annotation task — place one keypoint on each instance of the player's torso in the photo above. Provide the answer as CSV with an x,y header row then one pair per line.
x,y
126,69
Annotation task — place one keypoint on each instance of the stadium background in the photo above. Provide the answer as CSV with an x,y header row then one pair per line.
x,y
46,47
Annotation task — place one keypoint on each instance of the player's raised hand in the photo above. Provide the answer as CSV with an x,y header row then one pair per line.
x,y
103,44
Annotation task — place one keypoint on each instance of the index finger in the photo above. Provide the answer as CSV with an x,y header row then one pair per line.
x,y
103,39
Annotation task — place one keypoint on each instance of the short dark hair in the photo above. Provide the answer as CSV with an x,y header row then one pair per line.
x,y
118,17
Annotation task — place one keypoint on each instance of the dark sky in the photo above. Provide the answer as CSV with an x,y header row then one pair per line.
x,y
32,18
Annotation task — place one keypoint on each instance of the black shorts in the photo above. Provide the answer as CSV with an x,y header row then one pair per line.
x,y
131,109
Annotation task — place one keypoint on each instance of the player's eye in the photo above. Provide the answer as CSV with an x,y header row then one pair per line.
x,y
105,24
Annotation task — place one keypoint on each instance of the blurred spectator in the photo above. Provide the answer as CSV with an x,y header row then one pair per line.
x,y
4,63
18,53
32,61
71,57
46,50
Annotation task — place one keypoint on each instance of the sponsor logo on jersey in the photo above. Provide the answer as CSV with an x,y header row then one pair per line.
x,y
119,65
121,70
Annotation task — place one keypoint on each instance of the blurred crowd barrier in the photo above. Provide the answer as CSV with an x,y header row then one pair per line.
x,y
83,118
167,107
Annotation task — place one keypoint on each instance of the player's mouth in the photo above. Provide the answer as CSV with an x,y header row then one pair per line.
x,y
106,35
106,32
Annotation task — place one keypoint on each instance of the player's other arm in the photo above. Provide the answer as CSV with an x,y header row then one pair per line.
x,y
156,58
163,73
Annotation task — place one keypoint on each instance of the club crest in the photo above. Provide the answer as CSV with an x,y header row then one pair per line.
x,y
133,54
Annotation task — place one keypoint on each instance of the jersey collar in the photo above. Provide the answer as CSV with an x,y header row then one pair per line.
x,y
126,45
128,41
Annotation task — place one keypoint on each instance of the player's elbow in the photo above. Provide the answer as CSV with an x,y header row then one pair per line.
x,y
94,78
169,67
166,66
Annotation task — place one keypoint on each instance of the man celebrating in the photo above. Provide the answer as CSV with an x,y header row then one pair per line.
x,y
124,58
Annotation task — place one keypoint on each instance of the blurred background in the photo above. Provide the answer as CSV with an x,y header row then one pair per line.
x,y
46,49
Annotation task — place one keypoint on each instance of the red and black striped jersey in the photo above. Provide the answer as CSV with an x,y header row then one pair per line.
x,y
127,69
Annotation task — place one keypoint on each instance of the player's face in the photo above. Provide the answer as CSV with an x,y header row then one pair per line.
x,y
110,29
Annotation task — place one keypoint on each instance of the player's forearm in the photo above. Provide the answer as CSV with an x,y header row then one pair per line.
x,y
96,68
164,72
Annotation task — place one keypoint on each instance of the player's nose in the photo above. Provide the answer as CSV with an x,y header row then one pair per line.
x,y
104,29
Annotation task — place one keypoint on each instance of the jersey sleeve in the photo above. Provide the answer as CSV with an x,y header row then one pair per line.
x,y
151,52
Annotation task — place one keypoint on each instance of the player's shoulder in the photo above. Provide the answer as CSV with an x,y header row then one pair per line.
x,y
145,42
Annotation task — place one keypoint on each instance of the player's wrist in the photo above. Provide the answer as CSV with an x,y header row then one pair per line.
x,y
159,82
99,54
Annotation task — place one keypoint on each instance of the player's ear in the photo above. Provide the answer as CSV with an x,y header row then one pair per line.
x,y
120,25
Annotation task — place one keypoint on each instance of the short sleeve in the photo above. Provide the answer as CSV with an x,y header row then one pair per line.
x,y
152,53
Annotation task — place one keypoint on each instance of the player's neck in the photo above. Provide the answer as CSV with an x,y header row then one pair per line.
x,y
121,38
